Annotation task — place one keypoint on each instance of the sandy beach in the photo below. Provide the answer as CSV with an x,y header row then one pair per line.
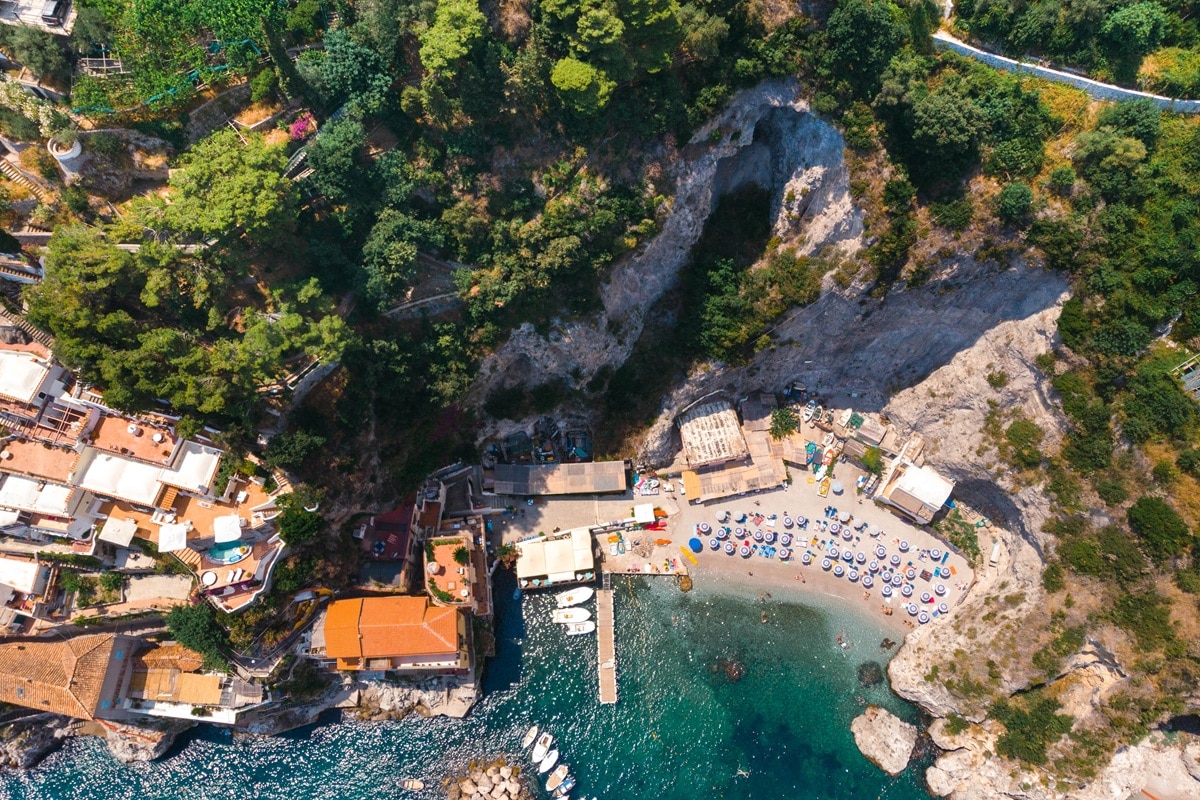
x,y
800,499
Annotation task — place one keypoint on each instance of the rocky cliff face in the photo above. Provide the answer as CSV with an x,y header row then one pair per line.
x,y
767,137
27,741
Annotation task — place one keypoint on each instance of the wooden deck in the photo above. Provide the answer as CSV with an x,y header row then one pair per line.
x,y
606,642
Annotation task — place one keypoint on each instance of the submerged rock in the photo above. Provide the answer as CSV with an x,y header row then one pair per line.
x,y
734,670
870,673
886,740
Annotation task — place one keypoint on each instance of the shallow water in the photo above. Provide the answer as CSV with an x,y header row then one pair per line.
x,y
682,728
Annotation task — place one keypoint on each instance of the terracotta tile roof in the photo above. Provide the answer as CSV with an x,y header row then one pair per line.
x,y
63,677
174,656
383,627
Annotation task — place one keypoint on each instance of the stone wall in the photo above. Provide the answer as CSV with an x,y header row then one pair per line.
x,y
1100,91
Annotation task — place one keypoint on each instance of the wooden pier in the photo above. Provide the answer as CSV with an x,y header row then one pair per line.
x,y
606,642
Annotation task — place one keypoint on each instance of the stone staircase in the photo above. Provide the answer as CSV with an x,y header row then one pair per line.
x,y
191,558
36,334
14,174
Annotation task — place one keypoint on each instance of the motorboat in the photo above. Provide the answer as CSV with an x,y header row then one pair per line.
x,y
567,785
530,735
573,597
547,763
412,784
580,628
823,489
557,777
809,410
566,615
542,747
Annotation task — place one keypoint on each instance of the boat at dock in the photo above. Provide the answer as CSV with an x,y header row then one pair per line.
x,y
567,785
566,615
580,628
549,761
542,747
573,597
557,777
530,735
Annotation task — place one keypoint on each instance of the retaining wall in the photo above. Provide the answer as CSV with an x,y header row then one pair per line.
x,y
1096,89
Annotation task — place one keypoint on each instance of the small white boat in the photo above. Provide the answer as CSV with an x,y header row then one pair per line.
x,y
570,615
573,597
530,735
557,777
412,784
549,761
580,628
542,747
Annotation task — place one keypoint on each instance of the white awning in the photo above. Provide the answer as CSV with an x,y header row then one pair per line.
x,y
643,513
118,531
172,537
227,528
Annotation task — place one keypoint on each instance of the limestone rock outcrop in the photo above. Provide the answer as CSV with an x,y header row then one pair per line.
x,y
886,740
26,741
143,741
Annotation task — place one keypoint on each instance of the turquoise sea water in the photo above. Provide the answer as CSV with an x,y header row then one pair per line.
x,y
682,728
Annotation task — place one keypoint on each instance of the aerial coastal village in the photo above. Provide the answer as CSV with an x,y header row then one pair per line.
x,y
622,398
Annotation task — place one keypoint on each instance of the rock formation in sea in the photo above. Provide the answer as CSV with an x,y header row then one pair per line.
x,y
144,740
497,781
885,739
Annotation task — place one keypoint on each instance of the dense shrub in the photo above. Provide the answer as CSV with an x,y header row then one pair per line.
x,y
1161,530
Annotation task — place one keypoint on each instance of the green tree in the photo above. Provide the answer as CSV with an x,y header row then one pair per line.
x,y
196,628
39,50
863,36
457,26
1014,202
353,73
462,555
946,128
1162,531
783,422
335,157
226,184
582,86
1133,31
873,460
289,450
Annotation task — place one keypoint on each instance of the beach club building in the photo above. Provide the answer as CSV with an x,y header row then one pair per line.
x,y
917,492
559,560
396,633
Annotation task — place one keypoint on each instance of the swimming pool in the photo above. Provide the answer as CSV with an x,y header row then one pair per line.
x,y
228,553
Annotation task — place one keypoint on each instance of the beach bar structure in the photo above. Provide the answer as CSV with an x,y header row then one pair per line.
x,y
725,456
918,492
555,562
597,477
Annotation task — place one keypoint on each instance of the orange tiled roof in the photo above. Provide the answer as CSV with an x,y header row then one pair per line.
x,y
63,677
174,656
383,627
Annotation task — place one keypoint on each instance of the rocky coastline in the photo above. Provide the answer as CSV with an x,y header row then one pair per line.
x,y
25,742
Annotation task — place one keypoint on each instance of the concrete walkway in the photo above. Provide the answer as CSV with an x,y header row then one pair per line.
x,y
1095,89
